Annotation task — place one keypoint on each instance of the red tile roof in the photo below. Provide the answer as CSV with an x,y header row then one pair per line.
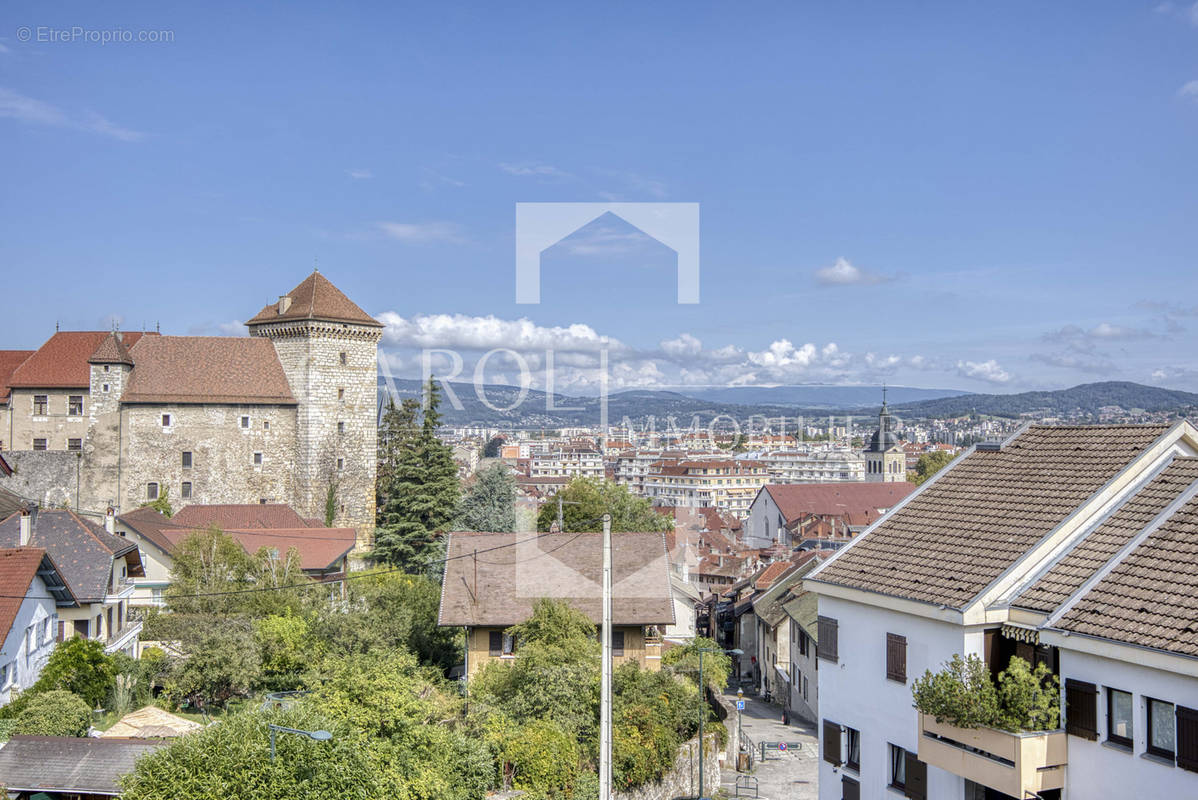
x,y
837,499
238,516
150,523
317,299
9,361
207,369
772,573
319,548
18,566
62,361
112,351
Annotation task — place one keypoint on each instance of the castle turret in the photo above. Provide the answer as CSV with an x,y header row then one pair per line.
x,y
328,347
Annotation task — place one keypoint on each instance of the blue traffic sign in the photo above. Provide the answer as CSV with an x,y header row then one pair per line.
x,y
740,705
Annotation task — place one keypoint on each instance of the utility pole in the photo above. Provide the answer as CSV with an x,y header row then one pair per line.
x,y
605,740
561,526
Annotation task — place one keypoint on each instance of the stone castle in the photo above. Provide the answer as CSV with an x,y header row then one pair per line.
x,y
285,415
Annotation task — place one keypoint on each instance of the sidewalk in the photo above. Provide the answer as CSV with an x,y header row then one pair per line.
x,y
790,775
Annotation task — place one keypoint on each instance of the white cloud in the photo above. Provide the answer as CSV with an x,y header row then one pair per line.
x,y
490,332
421,232
844,273
685,346
988,371
1083,339
1189,91
360,174
14,105
533,170
1081,363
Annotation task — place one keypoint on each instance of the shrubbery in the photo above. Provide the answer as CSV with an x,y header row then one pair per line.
x,y
963,694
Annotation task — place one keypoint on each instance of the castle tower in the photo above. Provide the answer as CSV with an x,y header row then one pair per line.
x,y
328,347
885,459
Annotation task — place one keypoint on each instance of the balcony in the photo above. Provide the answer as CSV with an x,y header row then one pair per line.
x,y
120,589
1016,764
121,639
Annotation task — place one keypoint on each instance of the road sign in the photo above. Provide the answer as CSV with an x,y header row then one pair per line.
x,y
740,705
782,746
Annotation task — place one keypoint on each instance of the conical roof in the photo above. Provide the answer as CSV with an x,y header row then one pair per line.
x,y
111,351
318,299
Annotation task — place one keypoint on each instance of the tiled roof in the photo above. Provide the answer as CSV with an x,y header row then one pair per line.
x,y
317,299
319,548
239,516
68,764
836,499
207,369
1148,598
766,578
9,361
150,523
18,567
1098,546
985,511
563,566
112,350
82,550
61,362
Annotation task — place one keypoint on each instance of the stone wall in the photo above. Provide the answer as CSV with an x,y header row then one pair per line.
x,y
683,779
50,477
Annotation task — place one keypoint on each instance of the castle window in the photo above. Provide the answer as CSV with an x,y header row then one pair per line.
x,y
341,394
39,444
105,367
185,492
105,388
262,501
344,358
186,459
75,444
41,405
265,424
75,405
151,491
340,464
245,422
257,458
166,420
340,427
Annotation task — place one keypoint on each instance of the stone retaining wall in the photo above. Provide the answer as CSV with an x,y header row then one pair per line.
x,y
683,780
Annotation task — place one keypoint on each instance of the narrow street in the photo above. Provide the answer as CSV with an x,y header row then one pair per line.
x,y
791,774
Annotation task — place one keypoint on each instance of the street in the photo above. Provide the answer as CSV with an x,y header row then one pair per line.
x,y
784,775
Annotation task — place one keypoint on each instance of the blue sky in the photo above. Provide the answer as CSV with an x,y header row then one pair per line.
x,y
992,197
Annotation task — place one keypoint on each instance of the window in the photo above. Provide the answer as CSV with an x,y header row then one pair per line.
x,y
896,657
617,643
6,675
509,644
185,492
1118,717
1081,709
344,358
898,767
340,427
850,789
340,464
104,388
804,687
826,646
39,444
1161,730
852,748
257,458
803,640
265,424
75,405
166,420
245,422
75,444
186,459
41,405
340,394
151,491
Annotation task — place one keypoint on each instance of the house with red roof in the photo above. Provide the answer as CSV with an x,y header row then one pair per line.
x,y
33,592
98,418
827,513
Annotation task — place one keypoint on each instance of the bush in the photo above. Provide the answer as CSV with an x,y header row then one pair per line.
x,y
81,666
963,695
54,713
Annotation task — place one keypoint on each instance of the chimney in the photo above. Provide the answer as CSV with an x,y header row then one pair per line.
x,y
110,520
28,518
284,303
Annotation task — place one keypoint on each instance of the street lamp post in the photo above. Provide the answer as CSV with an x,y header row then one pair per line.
x,y
703,704
319,736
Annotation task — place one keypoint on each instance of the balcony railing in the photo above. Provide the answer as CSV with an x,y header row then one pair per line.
x,y
1017,764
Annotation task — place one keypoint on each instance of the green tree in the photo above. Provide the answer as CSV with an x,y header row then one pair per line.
x,y
586,500
81,666
285,648
233,758
684,661
539,758
961,693
490,503
54,713
1028,699
493,447
220,661
929,464
653,713
420,496
161,503
208,562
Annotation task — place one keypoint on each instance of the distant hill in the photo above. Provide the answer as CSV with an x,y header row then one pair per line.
x,y
1087,398
818,396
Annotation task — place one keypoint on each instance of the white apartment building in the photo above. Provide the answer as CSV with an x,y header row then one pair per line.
x,y
1076,547
566,464
804,465
727,485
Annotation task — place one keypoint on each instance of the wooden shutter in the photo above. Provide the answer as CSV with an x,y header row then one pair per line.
x,y
849,789
917,778
1081,709
832,742
617,643
896,657
1187,738
828,645
496,643
62,630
